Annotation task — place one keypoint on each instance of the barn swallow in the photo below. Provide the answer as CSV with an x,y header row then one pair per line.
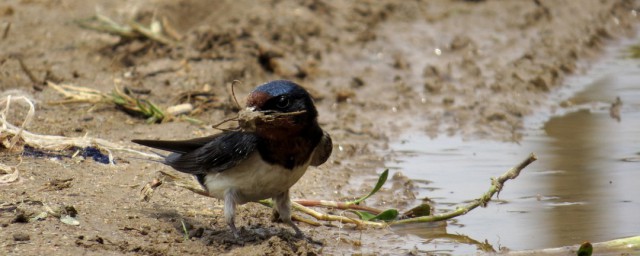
x,y
260,162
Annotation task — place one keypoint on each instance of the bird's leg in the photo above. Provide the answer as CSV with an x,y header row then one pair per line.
x,y
275,216
283,207
230,211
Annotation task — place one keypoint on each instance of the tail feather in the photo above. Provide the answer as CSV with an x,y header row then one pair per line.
x,y
148,159
162,161
179,146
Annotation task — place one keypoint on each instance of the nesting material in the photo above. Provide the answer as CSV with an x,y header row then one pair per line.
x,y
247,119
18,134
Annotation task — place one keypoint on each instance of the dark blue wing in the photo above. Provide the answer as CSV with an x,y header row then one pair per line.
x,y
323,151
208,154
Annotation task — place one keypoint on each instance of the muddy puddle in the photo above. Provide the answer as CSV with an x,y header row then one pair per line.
x,y
584,187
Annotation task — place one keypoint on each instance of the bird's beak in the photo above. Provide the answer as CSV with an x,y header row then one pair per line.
x,y
255,110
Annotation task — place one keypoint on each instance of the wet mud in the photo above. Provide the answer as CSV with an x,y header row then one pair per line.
x,y
376,69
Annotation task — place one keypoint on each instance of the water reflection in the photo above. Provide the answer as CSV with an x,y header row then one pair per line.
x,y
580,188
574,140
589,144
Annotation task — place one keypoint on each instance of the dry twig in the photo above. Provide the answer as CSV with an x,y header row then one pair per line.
x,y
52,142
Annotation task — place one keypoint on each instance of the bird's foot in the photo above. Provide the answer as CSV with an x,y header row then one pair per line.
x,y
311,241
234,230
302,236
299,233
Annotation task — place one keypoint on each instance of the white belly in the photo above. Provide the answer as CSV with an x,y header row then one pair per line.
x,y
253,179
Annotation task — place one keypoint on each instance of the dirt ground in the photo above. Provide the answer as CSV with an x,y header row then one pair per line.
x,y
375,68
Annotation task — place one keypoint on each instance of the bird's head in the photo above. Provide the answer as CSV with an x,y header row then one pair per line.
x,y
284,109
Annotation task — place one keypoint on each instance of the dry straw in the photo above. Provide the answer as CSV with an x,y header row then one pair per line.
x,y
50,142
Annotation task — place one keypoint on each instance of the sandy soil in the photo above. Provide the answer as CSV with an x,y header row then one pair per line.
x,y
375,68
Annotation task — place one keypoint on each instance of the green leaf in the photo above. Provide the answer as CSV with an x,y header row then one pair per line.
x,y
381,180
419,211
586,249
117,99
364,215
155,110
142,108
387,215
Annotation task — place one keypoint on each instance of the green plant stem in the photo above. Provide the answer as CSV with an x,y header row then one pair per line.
x,y
496,186
339,218
337,205
184,229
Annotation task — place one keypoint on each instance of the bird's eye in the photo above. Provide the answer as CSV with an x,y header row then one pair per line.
x,y
283,102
